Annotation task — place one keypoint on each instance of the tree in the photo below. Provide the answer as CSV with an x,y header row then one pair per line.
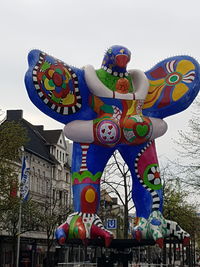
x,y
51,212
10,220
117,181
12,139
189,150
176,206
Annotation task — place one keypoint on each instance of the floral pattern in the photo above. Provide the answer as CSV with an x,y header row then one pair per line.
x,y
56,84
57,80
169,82
152,176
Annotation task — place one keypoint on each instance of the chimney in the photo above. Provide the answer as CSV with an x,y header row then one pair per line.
x,y
14,115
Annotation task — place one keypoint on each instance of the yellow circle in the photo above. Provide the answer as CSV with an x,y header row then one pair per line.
x,y
90,195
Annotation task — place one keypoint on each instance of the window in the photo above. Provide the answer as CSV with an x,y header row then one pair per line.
x,y
54,195
32,183
43,186
63,157
47,187
66,198
59,174
60,197
67,177
37,185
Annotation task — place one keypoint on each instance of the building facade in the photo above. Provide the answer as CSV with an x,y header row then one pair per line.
x,y
48,155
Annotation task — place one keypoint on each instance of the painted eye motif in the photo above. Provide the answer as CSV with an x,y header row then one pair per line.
x,y
173,78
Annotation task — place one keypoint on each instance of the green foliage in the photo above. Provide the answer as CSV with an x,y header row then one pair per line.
x,y
12,138
177,208
30,217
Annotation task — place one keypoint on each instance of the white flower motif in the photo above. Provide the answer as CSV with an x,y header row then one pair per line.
x,y
153,169
157,181
150,176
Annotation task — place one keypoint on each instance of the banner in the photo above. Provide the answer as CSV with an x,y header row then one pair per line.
x,y
24,188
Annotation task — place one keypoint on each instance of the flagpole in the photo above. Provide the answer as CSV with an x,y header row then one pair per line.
x,y
19,233
20,212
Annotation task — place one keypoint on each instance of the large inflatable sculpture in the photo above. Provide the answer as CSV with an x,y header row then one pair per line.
x,y
110,109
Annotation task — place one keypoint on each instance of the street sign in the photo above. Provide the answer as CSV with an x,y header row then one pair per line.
x,y
111,224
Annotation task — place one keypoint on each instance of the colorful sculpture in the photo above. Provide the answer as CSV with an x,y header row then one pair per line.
x,y
113,109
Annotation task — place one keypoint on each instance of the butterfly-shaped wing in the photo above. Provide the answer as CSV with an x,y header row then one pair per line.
x,y
174,84
56,88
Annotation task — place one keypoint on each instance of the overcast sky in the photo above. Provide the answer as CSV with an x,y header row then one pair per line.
x,y
79,31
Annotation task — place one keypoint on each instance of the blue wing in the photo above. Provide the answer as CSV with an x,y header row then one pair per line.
x,y
57,89
174,84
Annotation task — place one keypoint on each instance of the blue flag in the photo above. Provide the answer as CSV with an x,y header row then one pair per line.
x,y
24,188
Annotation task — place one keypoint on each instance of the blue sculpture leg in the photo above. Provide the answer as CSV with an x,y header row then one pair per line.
x,y
147,190
89,161
148,195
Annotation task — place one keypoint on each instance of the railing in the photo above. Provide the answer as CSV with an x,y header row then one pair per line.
x,y
77,264
154,265
82,264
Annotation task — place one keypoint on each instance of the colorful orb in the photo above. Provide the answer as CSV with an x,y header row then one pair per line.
x,y
108,132
90,195
89,199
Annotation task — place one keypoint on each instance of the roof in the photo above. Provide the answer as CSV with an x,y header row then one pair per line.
x,y
105,196
52,136
38,139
